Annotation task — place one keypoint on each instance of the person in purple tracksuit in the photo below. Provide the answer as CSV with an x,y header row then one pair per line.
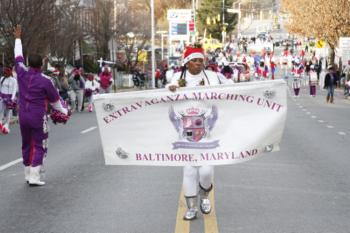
x,y
36,91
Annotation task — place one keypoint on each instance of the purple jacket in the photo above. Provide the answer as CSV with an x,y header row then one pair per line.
x,y
36,90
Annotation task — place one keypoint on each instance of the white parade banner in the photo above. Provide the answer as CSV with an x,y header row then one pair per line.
x,y
209,125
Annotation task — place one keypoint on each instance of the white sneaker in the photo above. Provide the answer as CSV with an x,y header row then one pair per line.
x,y
191,212
34,177
26,173
205,206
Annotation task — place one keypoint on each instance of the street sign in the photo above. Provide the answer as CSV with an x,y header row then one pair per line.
x,y
179,14
344,46
142,56
233,11
191,26
320,44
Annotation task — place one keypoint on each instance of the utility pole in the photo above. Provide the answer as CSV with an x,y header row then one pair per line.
x,y
223,22
223,12
152,39
194,20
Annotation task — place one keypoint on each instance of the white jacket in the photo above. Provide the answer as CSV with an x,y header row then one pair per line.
x,y
92,85
210,78
8,86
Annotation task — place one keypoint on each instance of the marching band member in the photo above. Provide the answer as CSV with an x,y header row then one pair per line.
x,y
8,90
91,88
35,91
196,177
297,72
313,81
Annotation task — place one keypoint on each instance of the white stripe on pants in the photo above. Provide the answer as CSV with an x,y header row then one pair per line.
x,y
5,114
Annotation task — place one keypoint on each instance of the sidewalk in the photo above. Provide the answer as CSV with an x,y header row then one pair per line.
x,y
340,93
14,120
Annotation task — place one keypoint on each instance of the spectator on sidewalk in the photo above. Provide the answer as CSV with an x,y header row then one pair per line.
x,y
91,88
158,76
330,83
63,87
346,73
76,92
106,80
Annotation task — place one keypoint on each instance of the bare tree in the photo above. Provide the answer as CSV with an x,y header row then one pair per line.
x,y
65,30
334,23
46,26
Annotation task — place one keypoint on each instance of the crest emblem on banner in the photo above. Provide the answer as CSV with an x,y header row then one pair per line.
x,y
108,107
194,123
193,127
269,94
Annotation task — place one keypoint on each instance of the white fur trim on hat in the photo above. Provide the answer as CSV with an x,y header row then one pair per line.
x,y
193,56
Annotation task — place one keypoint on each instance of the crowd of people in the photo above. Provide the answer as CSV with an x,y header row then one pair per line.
x,y
299,65
75,88
315,72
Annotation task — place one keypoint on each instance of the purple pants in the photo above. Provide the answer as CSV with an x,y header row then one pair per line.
x,y
34,142
296,91
312,90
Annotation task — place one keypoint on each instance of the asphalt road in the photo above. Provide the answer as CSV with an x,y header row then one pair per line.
x,y
304,188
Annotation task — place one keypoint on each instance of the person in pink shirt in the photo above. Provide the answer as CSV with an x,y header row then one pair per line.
x,y
106,80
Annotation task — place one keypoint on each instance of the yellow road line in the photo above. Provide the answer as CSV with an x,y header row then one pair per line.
x,y
182,226
210,222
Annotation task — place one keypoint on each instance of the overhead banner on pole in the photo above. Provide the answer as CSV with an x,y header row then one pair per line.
x,y
212,125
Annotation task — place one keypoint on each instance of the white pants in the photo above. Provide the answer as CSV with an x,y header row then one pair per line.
x,y
5,114
78,96
193,176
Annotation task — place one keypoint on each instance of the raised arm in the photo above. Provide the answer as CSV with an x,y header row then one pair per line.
x,y
21,69
17,32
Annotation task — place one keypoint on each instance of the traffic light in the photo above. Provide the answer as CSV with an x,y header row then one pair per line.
x,y
191,26
208,20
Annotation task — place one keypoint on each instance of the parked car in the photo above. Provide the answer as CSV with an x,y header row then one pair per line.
x,y
211,45
241,72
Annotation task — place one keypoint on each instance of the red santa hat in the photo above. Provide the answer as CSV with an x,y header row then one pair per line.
x,y
192,53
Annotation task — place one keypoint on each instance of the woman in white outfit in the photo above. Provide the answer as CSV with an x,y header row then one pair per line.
x,y
196,179
8,90
91,88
